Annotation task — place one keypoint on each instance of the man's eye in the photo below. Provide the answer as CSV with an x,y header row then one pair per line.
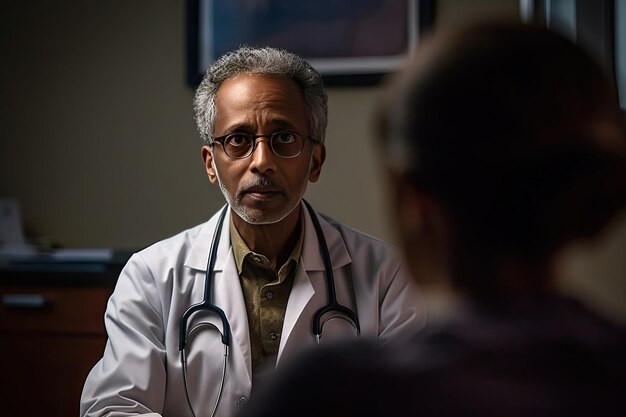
x,y
238,139
284,138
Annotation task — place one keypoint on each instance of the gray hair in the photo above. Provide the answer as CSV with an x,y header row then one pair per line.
x,y
264,60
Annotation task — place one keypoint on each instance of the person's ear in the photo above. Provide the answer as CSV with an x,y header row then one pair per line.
x,y
318,156
408,205
209,163
422,228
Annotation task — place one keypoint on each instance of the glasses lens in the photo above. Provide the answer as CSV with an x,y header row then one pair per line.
x,y
287,144
238,145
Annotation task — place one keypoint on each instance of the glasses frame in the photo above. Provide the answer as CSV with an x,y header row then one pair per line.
x,y
270,137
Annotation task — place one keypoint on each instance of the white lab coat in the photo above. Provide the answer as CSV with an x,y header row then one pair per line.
x,y
140,371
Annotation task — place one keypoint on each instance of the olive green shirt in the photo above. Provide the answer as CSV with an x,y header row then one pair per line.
x,y
265,294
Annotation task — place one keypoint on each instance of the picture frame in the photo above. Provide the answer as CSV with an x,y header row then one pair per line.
x,y
351,42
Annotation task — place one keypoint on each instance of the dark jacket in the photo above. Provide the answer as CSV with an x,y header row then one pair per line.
x,y
532,357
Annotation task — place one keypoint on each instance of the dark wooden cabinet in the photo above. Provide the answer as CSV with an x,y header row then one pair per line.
x,y
51,333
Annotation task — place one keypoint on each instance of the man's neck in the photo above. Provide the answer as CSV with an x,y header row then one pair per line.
x,y
275,241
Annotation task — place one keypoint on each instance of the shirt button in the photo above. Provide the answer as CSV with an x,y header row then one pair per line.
x,y
269,295
273,336
241,401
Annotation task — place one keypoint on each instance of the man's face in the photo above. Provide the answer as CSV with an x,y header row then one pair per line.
x,y
263,188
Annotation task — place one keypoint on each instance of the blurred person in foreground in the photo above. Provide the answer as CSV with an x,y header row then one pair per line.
x,y
504,144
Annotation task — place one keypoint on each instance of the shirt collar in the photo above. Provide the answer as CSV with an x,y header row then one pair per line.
x,y
241,250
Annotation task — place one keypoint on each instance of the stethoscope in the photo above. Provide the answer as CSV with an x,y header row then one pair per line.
x,y
206,304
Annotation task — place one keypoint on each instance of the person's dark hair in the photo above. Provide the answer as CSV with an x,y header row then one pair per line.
x,y
264,61
517,133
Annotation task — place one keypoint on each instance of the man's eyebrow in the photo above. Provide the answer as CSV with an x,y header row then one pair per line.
x,y
240,127
282,124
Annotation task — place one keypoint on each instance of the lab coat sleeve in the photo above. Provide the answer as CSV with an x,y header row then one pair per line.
x,y
402,311
130,378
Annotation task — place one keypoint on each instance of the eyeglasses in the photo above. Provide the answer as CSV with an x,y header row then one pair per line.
x,y
285,144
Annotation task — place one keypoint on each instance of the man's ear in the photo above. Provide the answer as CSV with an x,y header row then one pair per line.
x,y
317,160
209,163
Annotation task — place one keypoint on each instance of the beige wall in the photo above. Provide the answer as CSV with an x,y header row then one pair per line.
x,y
98,143
98,139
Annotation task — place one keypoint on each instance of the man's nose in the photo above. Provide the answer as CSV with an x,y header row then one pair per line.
x,y
263,159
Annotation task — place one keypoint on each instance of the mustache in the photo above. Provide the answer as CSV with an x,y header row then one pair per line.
x,y
258,182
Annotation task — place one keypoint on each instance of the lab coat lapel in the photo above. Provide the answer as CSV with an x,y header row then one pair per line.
x,y
229,297
309,291
199,250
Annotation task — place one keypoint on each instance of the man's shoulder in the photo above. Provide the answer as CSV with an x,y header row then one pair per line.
x,y
177,246
356,235
179,239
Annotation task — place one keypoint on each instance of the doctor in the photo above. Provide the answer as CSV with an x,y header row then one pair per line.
x,y
262,114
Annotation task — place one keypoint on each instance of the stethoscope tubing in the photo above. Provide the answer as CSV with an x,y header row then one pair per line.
x,y
207,305
333,304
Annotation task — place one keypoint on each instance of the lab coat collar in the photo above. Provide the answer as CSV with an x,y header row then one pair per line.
x,y
199,251
309,280
311,257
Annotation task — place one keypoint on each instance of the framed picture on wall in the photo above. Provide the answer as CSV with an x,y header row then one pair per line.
x,y
351,42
